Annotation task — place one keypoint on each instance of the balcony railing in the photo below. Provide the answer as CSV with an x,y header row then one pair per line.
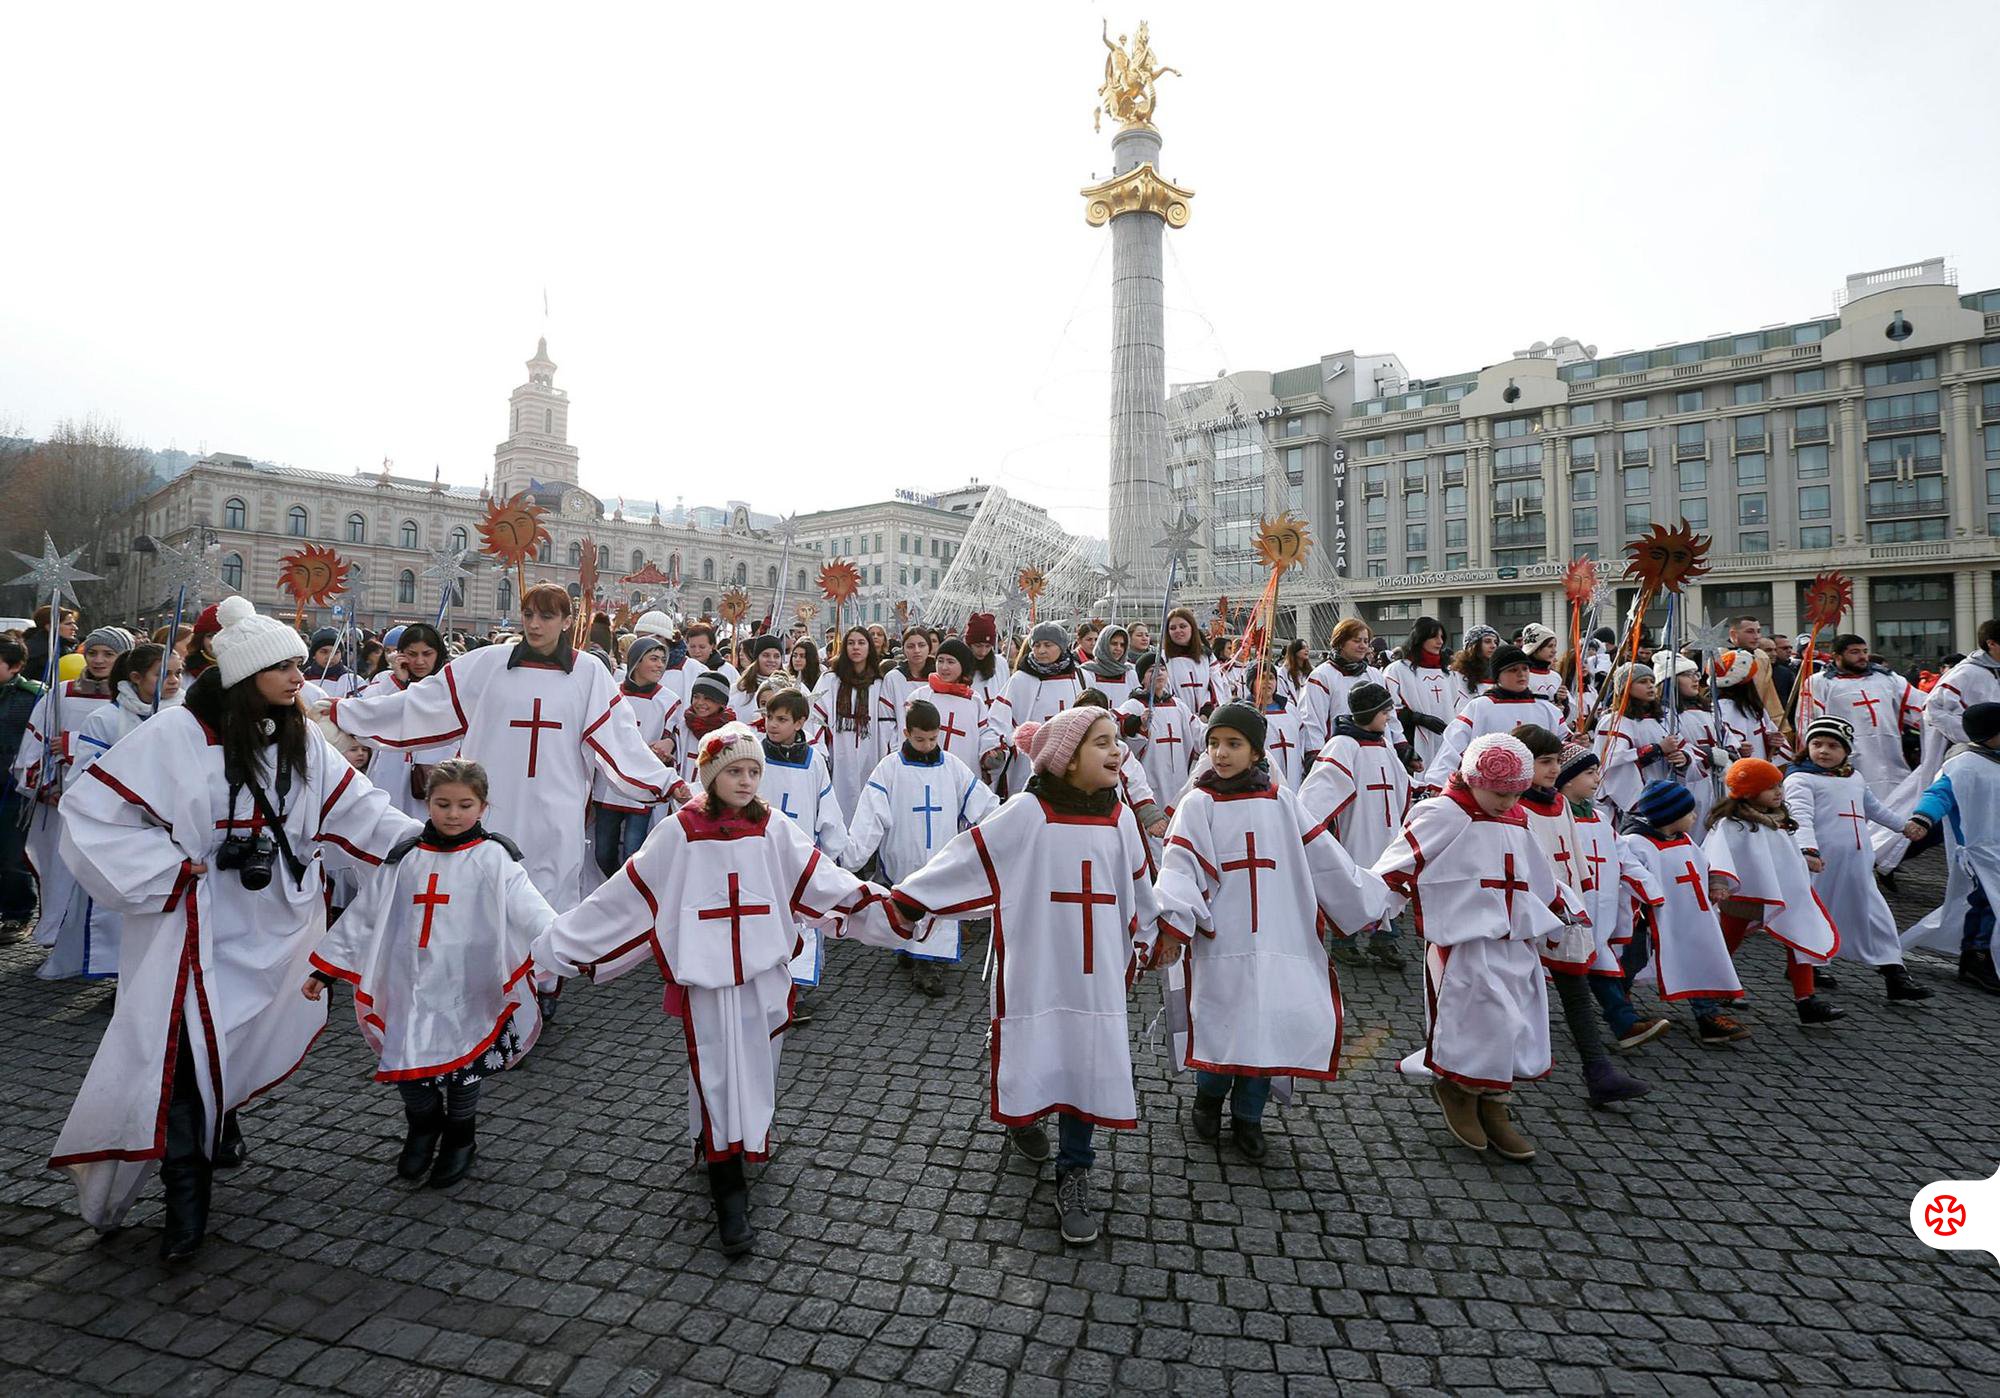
x,y
1690,451
1905,509
1909,422
1809,435
1635,456
1750,441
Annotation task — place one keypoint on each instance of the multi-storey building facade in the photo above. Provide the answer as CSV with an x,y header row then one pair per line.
x,y
1867,441
901,547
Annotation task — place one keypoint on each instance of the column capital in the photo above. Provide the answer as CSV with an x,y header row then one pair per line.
x,y
1140,190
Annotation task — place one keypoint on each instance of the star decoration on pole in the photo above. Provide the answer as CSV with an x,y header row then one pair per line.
x,y
1711,639
195,568
1114,578
1180,540
446,568
53,574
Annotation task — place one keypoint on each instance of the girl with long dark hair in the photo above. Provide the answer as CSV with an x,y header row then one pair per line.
x,y
848,703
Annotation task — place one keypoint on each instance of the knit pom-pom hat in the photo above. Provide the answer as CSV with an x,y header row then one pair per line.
x,y
1576,760
733,742
1731,667
247,642
1497,762
1051,744
1747,776
1827,726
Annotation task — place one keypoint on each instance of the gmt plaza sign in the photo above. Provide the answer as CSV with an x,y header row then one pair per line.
x,y
1417,582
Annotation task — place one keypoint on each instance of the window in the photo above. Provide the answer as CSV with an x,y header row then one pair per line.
x,y
1809,381
1902,411
1750,509
406,534
1993,443
1375,446
1815,502
1516,558
1583,485
575,553
742,575
878,575
1748,431
1583,521
232,571
1453,466
902,543
1295,462
1754,541
771,577
1989,355
1816,536
1632,410
1810,462
1416,506
1508,428
1989,401
1454,496
1691,439
1378,567
548,420
357,530
1412,441
1454,561
1416,538
1886,455
1413,475
1374,479
1637,518
233,514
1378,508
1632,448
1750,468
1516,461
1992,502
406,587
542,552
802,577
1905,531
1693,476
1455,431
1454,533
1583,450
1921,495
1295,427
295,521
707,570
1689,400
1416,563
458,539
1638,482
1894,371
504,596
1378,541
1748,392
604,557
1809,424
1695,512
1582,413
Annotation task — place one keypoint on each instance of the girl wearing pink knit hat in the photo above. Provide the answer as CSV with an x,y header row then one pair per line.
x,y
1062,869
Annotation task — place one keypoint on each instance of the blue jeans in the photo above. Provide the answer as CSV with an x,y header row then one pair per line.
x,y
1247,1094
1978,933
1073,1149
1619,1016
617,837
17,885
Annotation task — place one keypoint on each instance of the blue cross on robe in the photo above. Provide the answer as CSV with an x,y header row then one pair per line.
x,y
785,804
926,811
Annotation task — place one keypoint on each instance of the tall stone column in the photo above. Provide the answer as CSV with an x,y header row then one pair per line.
x,y
1140,206
1862,619
1967,513
1964,609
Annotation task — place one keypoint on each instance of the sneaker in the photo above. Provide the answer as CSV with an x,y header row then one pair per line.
x,y
1207,1117
1716,1030
1076,1214
1501,1133
1348,951
1607,1083
1975,968
1461,1112
1385,952
1031,1140
929,977
1643,1032
1902,985
1813,1010
1249,1137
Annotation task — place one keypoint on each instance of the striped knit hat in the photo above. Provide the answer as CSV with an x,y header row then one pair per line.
x,y
1576,760
1827,726
1662,803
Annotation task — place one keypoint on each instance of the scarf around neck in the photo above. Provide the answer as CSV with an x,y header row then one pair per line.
x,y
1255,777
1073,800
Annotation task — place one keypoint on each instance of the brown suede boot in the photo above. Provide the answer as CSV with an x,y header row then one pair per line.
x,y
1505,1138
1461,1112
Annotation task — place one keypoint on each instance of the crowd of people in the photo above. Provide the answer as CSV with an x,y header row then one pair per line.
x,y
237,819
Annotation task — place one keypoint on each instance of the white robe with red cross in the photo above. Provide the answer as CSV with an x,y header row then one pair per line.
x,y
1030,698
962,727
908,812
1764,866
1484,899
1241,886
1074,919
1690,956
1879,705
652,711
393,768
804,793
1430,690
541,732
1362,791
1285,746
1833,815
1326,702
1496,711
1194,682
1167,743
1554,828
1612,876
854,740
713,903
44,766
436,948
200,952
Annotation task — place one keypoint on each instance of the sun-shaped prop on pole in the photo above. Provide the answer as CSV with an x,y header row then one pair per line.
x,y
1032,582
511,532
314,574
838,581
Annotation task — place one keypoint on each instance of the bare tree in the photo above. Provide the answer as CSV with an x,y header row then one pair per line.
x,y
79,485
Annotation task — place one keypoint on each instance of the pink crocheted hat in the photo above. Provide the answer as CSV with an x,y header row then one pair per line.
x,y
1051,744
1498,762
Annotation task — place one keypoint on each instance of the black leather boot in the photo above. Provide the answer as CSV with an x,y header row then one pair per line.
x,y
186,1173
420,1142
455,1153
732,1206
232,1151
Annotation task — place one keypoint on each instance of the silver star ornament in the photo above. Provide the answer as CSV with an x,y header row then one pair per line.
x,y
53,574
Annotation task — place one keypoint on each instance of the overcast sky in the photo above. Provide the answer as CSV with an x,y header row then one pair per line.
x,y
806,254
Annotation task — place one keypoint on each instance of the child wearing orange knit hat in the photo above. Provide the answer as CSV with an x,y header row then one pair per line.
x,y
1760,883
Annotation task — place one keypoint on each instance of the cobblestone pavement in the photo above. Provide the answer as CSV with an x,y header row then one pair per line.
x,y
1743,1230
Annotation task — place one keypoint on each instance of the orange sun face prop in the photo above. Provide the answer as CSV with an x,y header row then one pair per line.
x,y
839,580
1031,581
513,530
734,606
1665,559
1283,543
1580,581
312,575
1828,597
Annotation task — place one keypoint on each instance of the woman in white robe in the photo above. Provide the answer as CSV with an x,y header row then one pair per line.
x,y
848,711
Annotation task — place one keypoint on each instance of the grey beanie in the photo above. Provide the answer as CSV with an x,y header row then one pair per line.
x,y
117,638
1051,632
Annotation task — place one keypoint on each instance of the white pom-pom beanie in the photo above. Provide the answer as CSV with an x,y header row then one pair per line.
x,y
249,642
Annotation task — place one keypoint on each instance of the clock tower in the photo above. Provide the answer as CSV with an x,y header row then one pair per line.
x,y
537,452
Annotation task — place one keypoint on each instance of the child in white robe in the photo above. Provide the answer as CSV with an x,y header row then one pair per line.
x,y
1833,804
1426,698
1635,746
1964,798
763,662
1610,877
1109,670
1046,681
1484,901
706,711
1701,737
1062,867
1167,732
1500,710
918,799
403,771
797,783
850,719
1284,744
1760,882
962,727
1184,652
1678,932
436,948
1245,877
620,820
712,897
1360,790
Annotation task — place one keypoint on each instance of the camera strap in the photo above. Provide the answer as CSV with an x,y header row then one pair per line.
x,y
276,821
